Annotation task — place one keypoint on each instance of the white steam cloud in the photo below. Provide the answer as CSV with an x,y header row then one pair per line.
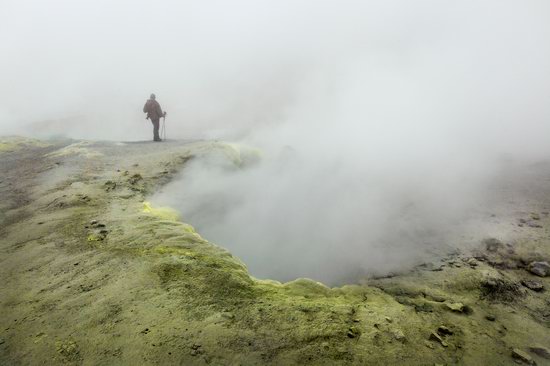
x,y
380,121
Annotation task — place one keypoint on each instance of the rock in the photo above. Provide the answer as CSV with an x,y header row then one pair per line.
x,y
443,330
423,308
135,178
495,286
458,307
535,216
533,285
110,186
435,297
490,317
480,257
540,351
69,350
353,332
435,337
522,356
492,244
541,269
472,262
388,319
228,315
399,335
534,224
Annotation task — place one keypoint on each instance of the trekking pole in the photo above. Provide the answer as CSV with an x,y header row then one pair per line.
x,y
164,128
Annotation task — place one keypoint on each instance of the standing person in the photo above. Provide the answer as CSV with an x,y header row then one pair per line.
x,y
154,112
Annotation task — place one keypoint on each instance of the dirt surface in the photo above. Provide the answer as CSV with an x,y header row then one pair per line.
x,y
92,274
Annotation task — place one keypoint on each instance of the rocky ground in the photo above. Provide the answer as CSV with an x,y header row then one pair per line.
x,y
91,273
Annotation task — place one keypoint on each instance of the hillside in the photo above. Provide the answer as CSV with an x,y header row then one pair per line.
x,y
93,274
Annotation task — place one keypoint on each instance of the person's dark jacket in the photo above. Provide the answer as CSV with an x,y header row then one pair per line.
x,y
153,110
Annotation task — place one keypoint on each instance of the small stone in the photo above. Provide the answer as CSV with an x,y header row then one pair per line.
x,y
522,356
492,244
541,269
443,330
135,178
457,307
535,216
490,317
472,262
93,222
399,335
353,332
388,319
540,351
435,337
228,315
110,185
436,297
533,285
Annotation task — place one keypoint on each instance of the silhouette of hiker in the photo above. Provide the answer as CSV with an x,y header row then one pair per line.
x,y
154,112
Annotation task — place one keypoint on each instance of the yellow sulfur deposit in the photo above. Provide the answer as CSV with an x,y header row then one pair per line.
x,y
165,213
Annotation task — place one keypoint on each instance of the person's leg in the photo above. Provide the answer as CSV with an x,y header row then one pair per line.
x,y
156,125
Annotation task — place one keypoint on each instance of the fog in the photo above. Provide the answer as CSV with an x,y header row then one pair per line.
x,y
380,123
